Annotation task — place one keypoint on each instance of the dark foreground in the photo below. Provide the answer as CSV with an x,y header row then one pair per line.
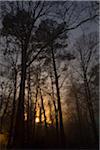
x,y
48,139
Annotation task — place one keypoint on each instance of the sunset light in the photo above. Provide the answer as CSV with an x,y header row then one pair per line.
x,y
25,116
37,120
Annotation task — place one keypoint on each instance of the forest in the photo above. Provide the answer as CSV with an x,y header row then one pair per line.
x,y
49,75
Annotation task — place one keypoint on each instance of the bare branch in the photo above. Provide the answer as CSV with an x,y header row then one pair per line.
x,y
82,22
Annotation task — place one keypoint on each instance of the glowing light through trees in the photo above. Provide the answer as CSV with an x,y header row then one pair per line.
x,y
25,116
37,120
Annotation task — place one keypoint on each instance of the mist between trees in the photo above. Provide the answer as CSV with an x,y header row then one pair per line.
x,y
49,74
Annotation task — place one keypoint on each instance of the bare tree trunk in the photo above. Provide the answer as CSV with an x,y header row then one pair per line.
x,y
40,116
50,112
56,111
78,114
31,118
28,108
90,108
11,131
62,134
34,115
19,126
85,60
1,102
5,110
79,118
42,104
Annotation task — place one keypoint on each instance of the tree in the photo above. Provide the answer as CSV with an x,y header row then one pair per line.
x,y
49,30
10,57
21,22
86,47
20,25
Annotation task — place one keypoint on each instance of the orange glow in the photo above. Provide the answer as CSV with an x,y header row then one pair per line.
x,y
37,120
25,116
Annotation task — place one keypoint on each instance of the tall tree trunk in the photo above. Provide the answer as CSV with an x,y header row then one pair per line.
x,y
11,131
42,105
30,105
34,115
40,116
78,113
90,108
1,101
50,112
19,126
62,134
5,110
56,111
79,119
56,117
28,108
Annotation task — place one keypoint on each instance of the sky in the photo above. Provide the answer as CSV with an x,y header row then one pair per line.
x,y
74,34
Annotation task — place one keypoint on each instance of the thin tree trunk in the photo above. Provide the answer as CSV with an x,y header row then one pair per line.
x,y
42,104
30,120
5,110
28,108
78,115
79,119
1,102
62,134
56,111
50,112
40,116
34,115
19,126
90,108
11,131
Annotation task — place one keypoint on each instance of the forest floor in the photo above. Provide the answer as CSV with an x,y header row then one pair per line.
x,y
47,139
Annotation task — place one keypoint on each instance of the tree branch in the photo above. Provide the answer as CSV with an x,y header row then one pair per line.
x,y
82,22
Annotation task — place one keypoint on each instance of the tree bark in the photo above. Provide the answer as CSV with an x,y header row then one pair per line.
x,y
42,104
56,111
5,110
50,112
62,134
34,115
78,114
19,126
11,131
40,116
28,108
90,108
